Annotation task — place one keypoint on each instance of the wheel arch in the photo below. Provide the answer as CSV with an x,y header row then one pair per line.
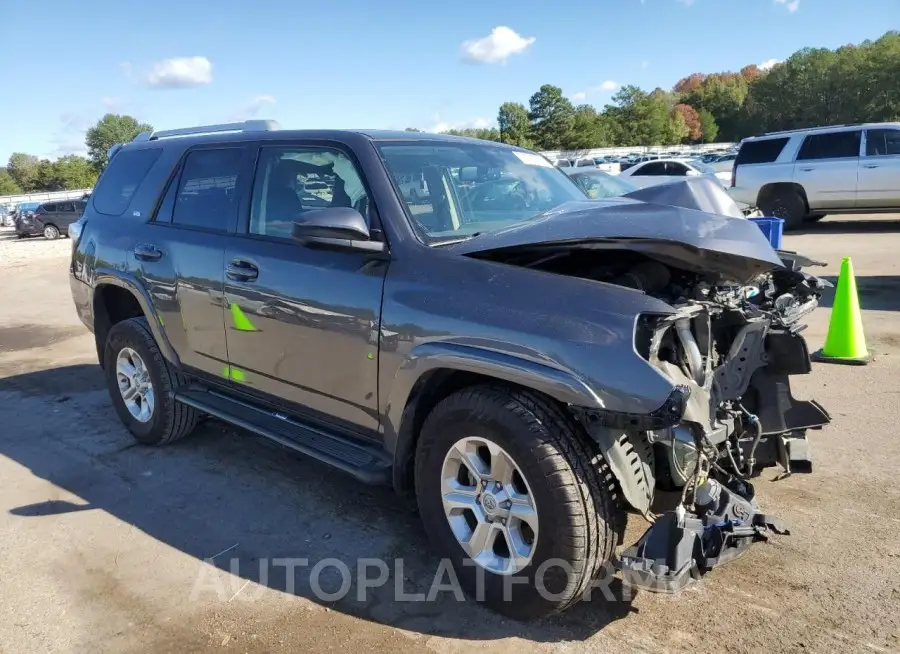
x,y
118,297
434,371
770,189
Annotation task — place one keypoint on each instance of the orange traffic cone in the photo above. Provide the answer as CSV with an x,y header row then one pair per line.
x,y
845,342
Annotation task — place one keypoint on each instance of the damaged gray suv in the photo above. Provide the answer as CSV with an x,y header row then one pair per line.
x,y
528,363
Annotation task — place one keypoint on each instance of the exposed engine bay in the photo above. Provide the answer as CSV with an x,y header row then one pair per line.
x,y
730,345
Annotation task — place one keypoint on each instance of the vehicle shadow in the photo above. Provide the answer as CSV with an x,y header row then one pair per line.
x,y
875,292
234,502
833,225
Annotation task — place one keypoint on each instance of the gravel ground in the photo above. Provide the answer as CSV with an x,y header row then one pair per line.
x,y
108,546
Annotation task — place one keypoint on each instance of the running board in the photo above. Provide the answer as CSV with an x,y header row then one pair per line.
x,y
368,464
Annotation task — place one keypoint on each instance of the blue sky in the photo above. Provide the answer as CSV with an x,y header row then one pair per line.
x,y
388,64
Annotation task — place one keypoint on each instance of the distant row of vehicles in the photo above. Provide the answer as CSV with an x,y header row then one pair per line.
x,y
49,219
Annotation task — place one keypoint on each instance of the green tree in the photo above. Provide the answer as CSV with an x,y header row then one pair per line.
x,y
67,174
590,129
110,130
8,185
723,96
552,116
412,129
709,131
483,133
23,168
514,124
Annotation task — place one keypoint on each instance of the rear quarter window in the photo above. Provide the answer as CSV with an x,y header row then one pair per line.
x,y
122,179
765,151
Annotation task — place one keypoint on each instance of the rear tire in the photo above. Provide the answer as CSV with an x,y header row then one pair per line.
x,y
131,342
786,204
51,232
567,482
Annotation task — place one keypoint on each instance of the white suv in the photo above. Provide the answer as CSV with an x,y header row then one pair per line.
x,y
805,174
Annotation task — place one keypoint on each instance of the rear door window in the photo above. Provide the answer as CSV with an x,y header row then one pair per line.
x,y
882,142
206,192
831,145
652,168
122,177
49,207
65,207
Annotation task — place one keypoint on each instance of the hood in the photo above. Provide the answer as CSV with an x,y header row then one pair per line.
x,y
733,248
699,193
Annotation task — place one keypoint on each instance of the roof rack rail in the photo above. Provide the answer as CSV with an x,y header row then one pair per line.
x,y
245,126
810,129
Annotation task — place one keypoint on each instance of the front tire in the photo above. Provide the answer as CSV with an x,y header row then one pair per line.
x,y
537,560
142,385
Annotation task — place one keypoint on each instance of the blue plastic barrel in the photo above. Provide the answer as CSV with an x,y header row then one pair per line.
x,y
773,228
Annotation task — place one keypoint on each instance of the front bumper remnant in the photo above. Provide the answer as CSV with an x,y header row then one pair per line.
x,y
680,547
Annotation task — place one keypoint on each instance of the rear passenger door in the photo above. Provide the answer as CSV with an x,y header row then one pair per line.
x,y
879,169
180,253
65,215
827,168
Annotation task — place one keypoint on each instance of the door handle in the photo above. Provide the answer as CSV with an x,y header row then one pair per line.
x,y
806,170
147,252
242,271
870,165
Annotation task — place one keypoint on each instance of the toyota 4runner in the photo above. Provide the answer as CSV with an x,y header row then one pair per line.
x,y
528,363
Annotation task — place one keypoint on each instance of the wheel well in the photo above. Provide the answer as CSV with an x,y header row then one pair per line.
x,y
770,190
112,304
428,391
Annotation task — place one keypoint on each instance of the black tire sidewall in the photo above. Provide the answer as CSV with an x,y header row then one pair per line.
x,y
515,595
789,206
53,232
152,432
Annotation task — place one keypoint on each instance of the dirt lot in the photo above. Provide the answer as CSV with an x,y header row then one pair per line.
x,y
107,546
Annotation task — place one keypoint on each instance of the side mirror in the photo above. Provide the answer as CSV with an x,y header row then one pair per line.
x,y
338,227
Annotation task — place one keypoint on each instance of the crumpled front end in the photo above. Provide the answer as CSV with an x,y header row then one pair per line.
x,y
734,348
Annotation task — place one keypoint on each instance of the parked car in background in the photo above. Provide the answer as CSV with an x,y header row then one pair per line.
x,y
52,219
805,174
723,163
598,184
661,171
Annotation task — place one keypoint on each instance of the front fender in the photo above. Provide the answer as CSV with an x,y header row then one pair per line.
x,y
563,385
127,281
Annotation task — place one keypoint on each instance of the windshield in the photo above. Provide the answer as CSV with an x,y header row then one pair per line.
x,y
597,185
454,191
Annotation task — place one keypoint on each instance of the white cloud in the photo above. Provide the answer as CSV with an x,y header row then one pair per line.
x,y
497,47
790,5
607,86
252,109
69,138
180,72
438,125
768,63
